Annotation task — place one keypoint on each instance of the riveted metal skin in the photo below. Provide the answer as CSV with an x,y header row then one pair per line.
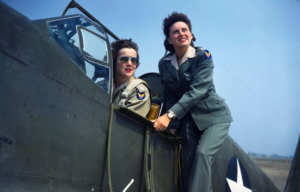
x,y
55,117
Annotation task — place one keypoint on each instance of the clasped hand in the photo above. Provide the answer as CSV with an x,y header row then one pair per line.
x,y
161,123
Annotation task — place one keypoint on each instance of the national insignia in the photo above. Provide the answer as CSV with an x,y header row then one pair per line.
x,y
207,54
141,96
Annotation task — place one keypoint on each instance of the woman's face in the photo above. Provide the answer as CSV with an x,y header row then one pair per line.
x,y
180,35
125,70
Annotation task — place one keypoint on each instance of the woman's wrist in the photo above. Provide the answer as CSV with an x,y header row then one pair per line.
x,y
166,117
171,115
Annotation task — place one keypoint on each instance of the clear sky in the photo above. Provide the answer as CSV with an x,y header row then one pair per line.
x,y
255,46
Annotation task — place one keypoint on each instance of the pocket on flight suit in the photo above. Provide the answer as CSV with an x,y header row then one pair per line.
x,y
167,77
170,81
217,105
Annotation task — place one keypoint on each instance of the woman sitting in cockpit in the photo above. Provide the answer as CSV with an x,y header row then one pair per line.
x,y
128,91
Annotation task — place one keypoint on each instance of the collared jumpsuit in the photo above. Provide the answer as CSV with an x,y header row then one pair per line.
x,y
203,117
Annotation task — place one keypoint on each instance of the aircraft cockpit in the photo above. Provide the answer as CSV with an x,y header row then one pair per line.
x,y
86,44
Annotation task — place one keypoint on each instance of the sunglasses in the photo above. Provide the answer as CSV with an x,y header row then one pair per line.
x,y
124,59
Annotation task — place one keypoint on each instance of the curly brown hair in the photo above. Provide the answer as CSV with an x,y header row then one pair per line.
x,y
168,22
117,45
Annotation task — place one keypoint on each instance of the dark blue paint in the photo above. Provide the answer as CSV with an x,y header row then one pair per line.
x,y
6,140
232,173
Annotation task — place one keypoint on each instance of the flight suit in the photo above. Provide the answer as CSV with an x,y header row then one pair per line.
x,y
138,100
203,117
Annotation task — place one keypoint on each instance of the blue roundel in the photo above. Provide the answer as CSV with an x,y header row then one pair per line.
x,y
237,178
207,54
140,96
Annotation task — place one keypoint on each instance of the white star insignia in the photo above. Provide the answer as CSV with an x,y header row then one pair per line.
x,y
239,185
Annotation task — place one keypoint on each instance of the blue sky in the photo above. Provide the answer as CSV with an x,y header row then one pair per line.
x,y
255,46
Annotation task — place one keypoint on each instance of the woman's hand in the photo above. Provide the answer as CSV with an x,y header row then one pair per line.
x,y
161,123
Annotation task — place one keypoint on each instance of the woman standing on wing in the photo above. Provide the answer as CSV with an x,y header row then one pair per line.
x,y
200,115
125,61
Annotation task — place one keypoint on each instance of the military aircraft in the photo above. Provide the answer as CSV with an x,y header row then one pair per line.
x,y
60,132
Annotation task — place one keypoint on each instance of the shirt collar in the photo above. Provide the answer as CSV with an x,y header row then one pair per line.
x,y
123,85
191,53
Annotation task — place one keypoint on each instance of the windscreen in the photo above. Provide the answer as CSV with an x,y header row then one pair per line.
x,y
85,43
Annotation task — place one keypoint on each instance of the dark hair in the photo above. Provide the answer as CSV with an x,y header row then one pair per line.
x,y
168,22
117,45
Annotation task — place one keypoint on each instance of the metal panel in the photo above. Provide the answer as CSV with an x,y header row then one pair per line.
x,y
56,133
163,163
9,183
22,40
258,179
127,150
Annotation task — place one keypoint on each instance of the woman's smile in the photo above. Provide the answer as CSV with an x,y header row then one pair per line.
x,y
125,70
182,40
180,35
128,70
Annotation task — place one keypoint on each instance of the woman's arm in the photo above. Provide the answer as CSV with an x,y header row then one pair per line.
x,y
139,101
169,98
198,88
163,122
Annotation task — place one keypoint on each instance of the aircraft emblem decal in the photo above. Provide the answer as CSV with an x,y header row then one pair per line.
x,y
140,96
207,54
237,177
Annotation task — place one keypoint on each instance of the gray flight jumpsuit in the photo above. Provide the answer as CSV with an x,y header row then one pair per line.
x,y
203,117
